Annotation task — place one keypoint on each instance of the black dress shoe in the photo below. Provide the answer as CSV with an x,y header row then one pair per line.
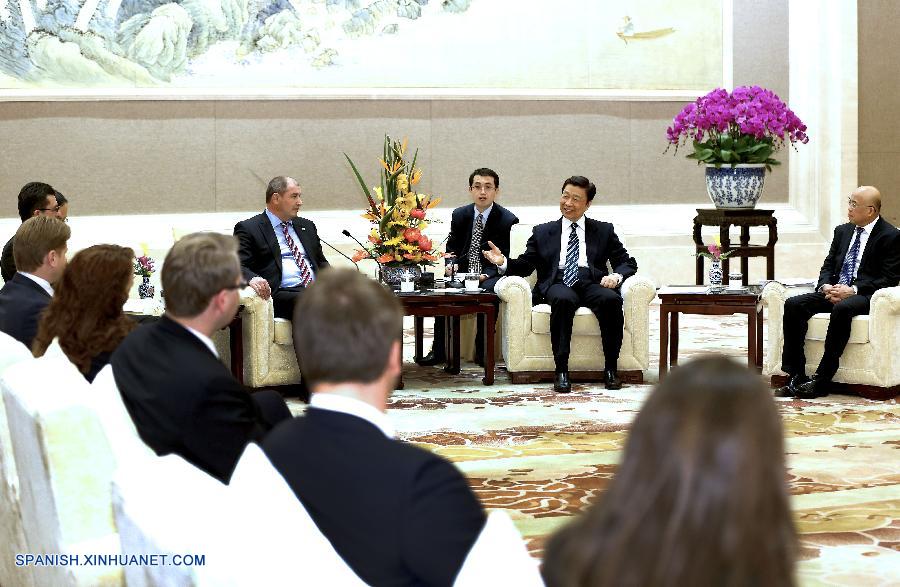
x,y
790,390
432,359
815,387
611,379
561,383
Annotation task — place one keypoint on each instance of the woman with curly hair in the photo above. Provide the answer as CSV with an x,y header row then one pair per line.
x,y
86,311
700,497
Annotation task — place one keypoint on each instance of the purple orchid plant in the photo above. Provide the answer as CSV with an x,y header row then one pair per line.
x,y
144,266
747,125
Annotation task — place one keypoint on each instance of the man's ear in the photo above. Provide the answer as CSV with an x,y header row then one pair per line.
x,y
395,359
35,213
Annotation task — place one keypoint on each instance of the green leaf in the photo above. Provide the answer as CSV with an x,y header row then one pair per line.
x,y
359,178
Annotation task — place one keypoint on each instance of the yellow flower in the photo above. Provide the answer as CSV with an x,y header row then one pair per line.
x,y
378,193
143,249
403,183
394,241
416,176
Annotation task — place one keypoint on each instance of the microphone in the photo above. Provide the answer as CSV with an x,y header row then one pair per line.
x,y
330,246
346,232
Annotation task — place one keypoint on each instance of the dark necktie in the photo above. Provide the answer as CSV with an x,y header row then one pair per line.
x,y
305,269
475,246
849,266
570,269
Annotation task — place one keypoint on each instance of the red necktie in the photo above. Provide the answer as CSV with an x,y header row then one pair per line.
x,y
305,269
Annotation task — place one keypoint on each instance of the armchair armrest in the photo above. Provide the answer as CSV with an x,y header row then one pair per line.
x,y
637,293
773,297
515,295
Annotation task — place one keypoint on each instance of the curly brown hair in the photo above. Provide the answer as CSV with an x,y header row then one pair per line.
x,y
86,310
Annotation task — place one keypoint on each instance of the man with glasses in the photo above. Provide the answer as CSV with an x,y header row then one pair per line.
x,y
864,257
570,256
471,227
181,397
35,199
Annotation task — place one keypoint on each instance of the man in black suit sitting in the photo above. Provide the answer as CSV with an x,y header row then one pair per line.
x,y
182,398
471,227
397,514
864,257
35,199
570,257
41,245
280,252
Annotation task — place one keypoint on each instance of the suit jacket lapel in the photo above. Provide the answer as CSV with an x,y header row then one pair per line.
x,y
268,234
554,238
306,240
872,240
591,241
468,223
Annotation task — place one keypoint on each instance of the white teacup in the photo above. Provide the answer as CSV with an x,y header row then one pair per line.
x,y
472,284
407,286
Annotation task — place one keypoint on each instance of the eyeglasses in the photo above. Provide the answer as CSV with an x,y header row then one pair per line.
x,y
243,283
55,209
477,187
853,205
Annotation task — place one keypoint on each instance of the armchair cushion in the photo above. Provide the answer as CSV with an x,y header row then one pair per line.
x,y
859,328
283,332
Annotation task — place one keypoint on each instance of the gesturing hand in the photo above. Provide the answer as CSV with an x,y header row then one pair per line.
x,y
494,255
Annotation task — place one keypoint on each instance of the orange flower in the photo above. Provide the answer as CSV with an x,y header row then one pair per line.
x,y
385,258
412,234
374,239
428,257
420,214
360,255
424,243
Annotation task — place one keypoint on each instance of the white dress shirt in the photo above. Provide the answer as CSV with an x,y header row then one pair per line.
x,y
45,285
863,241
485,214
564,241
354,407
204,339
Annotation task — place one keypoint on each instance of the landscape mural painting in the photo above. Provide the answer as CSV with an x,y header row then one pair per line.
x,y
247,47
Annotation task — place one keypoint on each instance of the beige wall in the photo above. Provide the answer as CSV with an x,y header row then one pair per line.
x,y
879,101
189,156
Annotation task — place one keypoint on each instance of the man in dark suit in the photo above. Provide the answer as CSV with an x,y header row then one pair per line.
x,y
182,398
471,227
35,199
280,252
570,257
41,258
397,514
864,257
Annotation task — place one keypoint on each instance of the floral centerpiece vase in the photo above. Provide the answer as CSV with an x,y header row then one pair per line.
x,y
144,267
397,241
715,255
735,135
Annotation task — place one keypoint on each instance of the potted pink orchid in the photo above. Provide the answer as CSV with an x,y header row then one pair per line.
x,y
735,134
714,253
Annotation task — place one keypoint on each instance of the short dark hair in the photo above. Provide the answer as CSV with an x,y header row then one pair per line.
x,y
277,185
33,196
60,199
701,485
35,238
485,172
344,326
197,267
581,181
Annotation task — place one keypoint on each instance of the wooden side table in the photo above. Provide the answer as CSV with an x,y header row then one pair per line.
x,y
724,219
691,299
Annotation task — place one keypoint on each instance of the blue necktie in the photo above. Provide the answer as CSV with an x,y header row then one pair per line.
x,y
570,269
849,266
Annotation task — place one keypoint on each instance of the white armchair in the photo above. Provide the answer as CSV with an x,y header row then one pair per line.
x,y
525,330
268,344
867,367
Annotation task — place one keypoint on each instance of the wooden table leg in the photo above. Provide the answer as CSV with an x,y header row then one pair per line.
x,y
663,340
673,339
751,338
490,320
745,260
420,325
453,345
759,337
725,241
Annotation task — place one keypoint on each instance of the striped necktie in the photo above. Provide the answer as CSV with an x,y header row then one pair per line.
x,y
475,246
570,269
306,274
849,266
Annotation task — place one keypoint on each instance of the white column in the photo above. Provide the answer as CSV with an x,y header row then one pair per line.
x,y
823,93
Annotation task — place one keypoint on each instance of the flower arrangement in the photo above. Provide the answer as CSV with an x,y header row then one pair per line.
x,y
747,125
714,251
144,266
398,213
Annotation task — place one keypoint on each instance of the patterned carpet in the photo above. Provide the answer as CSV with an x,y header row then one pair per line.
x,y
543,457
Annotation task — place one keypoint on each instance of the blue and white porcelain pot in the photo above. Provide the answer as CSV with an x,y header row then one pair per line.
x,y
735,187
